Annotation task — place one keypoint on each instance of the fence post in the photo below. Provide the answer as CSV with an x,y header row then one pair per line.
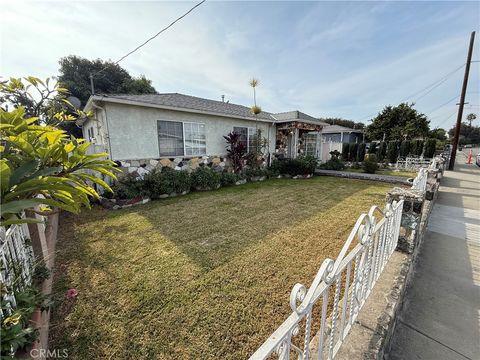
x,y
411,216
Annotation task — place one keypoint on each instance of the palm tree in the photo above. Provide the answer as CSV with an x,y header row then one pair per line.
x,y
470,118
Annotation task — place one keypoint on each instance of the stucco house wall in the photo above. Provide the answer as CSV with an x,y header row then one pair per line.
x,y
133,130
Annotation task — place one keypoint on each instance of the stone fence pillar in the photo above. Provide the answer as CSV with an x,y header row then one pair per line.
x,y
413,201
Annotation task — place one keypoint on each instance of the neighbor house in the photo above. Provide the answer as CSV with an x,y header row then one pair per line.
x,y
141,132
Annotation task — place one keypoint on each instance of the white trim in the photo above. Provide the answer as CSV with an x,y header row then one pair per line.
x,y
248,133
183,138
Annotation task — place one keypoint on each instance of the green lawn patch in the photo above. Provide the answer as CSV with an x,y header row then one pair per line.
x,y
203,276
407,174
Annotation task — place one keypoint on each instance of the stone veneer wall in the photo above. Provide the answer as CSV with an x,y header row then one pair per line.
x,y
144,166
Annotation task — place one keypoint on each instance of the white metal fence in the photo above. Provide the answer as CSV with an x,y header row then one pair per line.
x,y
324,313
17,260
420,181
412,163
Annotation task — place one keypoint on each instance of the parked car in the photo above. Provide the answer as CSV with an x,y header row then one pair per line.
x,y
477,161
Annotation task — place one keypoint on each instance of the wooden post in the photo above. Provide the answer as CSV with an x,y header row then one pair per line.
x,y
462,103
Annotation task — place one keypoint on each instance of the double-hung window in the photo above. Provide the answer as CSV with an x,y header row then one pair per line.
x,y
247,136
177,138
195,141
311,144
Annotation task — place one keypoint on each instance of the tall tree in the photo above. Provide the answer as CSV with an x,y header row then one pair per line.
x,y
438,134
110,78
468,134
344,122
398,123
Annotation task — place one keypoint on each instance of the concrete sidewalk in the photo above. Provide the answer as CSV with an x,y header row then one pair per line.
x,y
441,314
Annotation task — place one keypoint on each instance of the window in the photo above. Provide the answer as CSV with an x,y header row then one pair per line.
x,y
90,134
195,143
170,138
246,136
181,139
311,144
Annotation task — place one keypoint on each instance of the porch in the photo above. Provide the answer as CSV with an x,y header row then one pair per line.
x,y
297,138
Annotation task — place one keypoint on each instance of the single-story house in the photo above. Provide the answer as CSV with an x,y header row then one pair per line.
x,y
342,134
182,131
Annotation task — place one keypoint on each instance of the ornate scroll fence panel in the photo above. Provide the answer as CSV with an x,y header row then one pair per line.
x,y
17,260
324,313
420,181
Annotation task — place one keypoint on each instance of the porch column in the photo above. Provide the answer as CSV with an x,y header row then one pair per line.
x,y
341,137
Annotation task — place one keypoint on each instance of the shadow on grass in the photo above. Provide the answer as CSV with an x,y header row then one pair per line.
x,y
206,275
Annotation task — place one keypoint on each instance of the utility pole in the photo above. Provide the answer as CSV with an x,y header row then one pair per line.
x,y
92,88
462,103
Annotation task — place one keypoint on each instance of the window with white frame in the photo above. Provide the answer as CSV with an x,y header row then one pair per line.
x,y
195,140
176,138
247,136
311,144
90,134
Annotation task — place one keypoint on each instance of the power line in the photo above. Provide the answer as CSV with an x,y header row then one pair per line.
x,y
428,88
153,37
446,103
434,84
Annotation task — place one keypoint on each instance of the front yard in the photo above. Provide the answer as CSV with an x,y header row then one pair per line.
x,y
203,276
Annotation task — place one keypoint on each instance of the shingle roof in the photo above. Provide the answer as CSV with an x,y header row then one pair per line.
x,y
297,115
338,128
194,103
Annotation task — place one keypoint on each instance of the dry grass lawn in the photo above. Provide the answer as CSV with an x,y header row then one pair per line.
x,y
204,276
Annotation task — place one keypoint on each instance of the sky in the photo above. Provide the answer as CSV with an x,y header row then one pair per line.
x,y
327,59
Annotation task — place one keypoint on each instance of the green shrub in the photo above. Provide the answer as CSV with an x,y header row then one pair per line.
x,y
252,172
362,148
405,147
392,151
166,181
429,150
353,152
356,165
345,150
370,165
204,178
128,187
382,151
303,165
228,178
333,164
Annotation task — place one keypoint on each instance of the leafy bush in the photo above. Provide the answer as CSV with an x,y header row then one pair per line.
x,y
392,151
382,151
429,148
370,165
417,147
236,151
228,179
333,164
205,178
361,152
17,331
353,152
252,172
345,150
356,165
128,187
167,181
405,147
304,165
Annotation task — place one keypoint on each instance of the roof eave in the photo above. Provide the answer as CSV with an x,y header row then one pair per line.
x,y
166,107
